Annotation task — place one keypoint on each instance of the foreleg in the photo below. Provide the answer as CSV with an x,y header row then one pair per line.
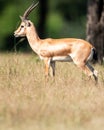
x,y
47,65
52,65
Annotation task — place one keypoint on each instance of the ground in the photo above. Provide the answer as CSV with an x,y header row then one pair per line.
x,y
69,101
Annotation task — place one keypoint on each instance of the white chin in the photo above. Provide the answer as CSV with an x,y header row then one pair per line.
x,y
16,35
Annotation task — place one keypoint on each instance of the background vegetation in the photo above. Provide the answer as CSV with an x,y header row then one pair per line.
x,y
62,18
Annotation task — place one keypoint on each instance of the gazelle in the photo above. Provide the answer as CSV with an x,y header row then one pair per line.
x,y
51,50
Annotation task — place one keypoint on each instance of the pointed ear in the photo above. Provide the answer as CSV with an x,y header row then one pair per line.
x,y
21,18
28,24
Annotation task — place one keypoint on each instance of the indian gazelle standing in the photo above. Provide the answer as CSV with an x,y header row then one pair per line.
x,y
51,50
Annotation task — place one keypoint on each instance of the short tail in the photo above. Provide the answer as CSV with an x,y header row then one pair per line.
x,y
95,56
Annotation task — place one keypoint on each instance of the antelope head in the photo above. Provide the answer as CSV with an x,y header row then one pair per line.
x,y
25,22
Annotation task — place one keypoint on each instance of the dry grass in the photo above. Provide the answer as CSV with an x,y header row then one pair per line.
x,y
69,101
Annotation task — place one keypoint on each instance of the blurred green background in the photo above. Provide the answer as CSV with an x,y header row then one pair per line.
x,y
53,18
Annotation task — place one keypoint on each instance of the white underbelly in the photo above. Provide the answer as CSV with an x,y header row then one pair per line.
x,y
62,58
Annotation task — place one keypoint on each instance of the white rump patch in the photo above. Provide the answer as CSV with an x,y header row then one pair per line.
x,y
91,55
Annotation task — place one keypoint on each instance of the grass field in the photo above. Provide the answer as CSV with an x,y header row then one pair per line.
x,y
68,102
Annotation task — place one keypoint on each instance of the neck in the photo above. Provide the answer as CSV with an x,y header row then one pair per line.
x,y
33,38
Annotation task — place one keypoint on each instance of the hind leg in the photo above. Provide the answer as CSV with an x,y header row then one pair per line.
x,y
94,72
87,69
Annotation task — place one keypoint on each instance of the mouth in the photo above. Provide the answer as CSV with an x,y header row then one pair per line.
x,y
16,35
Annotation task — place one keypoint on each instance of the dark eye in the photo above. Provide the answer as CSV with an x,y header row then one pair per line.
x,y
22,26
